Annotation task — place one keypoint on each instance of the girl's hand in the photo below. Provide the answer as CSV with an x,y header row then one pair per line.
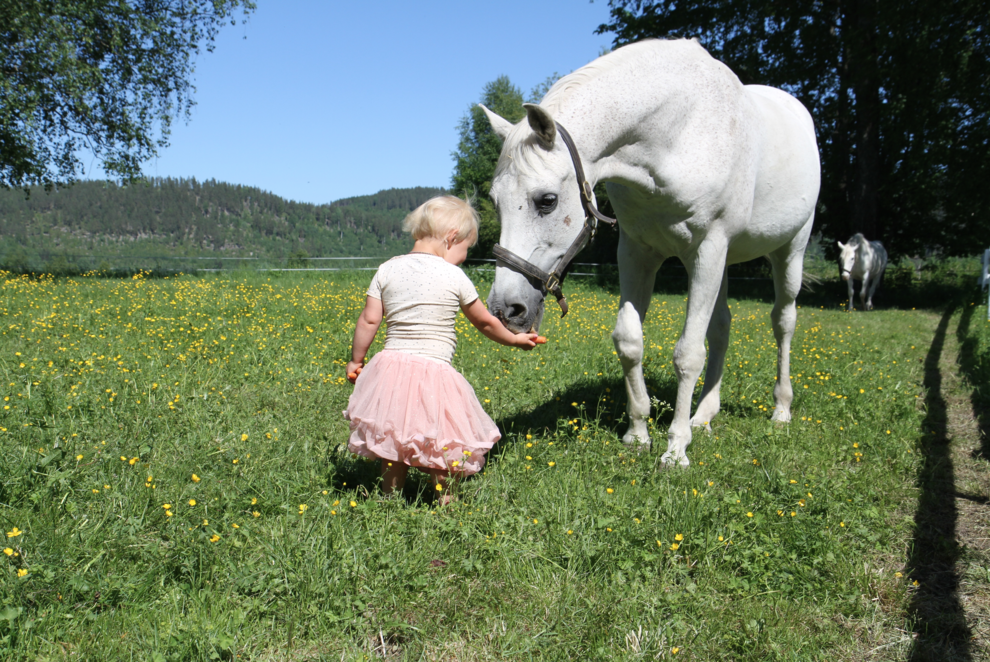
x,y
526,341
353,370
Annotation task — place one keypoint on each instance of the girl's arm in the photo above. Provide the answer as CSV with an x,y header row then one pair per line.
x,y
364,334
492,328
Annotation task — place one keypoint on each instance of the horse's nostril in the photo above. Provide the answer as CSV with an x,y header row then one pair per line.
x,y
517,311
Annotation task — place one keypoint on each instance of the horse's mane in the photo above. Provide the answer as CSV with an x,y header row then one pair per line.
x,y
856,239
563,88
525,151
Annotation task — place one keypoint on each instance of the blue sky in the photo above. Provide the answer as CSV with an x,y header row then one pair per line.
x,y
317,101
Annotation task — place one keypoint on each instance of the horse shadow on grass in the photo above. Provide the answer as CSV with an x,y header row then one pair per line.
x,y
588,394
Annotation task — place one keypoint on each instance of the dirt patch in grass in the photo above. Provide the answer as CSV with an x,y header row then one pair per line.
x,y
950,558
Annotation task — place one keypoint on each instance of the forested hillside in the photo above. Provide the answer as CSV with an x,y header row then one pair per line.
x,y
187,218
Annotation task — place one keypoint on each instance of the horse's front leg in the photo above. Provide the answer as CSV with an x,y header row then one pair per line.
x,y
637,273
705,271
718,344
852,291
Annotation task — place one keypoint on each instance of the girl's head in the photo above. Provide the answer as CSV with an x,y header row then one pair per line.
x,y
443,217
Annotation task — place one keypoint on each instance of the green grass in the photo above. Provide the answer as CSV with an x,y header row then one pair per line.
x,y
778,543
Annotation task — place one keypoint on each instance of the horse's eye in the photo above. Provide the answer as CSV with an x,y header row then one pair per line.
x,y
546,203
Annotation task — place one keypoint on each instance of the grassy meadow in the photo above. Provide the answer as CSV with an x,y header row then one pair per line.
x,y
176,486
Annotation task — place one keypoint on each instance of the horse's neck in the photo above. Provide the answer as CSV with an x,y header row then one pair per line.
x,y
864,257
609,118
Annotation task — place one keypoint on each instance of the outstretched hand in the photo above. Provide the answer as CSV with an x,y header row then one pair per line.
x,y
527,341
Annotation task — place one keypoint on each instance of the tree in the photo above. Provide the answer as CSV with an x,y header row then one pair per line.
x,y
477,155
104,75
899,96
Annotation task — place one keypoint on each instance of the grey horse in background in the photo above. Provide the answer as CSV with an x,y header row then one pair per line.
x,y
864,261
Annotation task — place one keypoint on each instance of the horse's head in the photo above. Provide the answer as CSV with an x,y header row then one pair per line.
x,y
538,199
848,254
847,258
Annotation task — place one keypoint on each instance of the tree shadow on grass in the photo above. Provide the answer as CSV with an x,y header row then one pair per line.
x,y
976,367
941,632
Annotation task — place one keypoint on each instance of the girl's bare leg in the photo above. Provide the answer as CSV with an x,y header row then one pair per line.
x,y
393,476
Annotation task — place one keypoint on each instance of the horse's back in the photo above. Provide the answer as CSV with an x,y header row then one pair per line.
x,y
788,174
880,261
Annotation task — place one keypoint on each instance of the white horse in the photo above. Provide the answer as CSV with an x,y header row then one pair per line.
x,y
697,166
864,261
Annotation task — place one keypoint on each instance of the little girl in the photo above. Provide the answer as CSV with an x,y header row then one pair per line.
x,y
410,408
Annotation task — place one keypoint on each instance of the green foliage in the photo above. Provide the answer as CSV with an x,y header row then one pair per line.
x,y
100,75
80,227
478,147
477,156
900,102
220,396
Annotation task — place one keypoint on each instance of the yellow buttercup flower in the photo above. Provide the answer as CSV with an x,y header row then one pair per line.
x,y
195,478
192,502
14,533
21,572
8,551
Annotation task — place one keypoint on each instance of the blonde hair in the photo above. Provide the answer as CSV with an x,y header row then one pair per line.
x,y
438,216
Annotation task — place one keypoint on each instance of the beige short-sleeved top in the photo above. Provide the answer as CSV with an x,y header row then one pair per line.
x,y
421,294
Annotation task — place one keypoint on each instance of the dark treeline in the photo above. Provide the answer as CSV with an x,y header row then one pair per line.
x,y
185,217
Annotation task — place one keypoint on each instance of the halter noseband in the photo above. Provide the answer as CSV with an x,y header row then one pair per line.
x,y
553,280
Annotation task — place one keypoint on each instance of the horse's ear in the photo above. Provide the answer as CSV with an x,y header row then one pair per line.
x,y
841,245
542,124
500,125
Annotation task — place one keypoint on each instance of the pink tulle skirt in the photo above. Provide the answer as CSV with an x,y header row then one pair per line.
x,y
414,410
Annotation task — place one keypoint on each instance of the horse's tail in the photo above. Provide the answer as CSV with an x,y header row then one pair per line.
x,y
810,281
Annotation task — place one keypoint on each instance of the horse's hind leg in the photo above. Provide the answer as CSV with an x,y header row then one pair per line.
x,y
788,266
718,344
637,273
866,292
869,295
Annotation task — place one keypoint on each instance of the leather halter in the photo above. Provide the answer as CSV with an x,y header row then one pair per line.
x,y
554,279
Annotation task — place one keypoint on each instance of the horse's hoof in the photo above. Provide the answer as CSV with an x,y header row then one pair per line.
x,y
781,416
695,423
669,460
635,442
